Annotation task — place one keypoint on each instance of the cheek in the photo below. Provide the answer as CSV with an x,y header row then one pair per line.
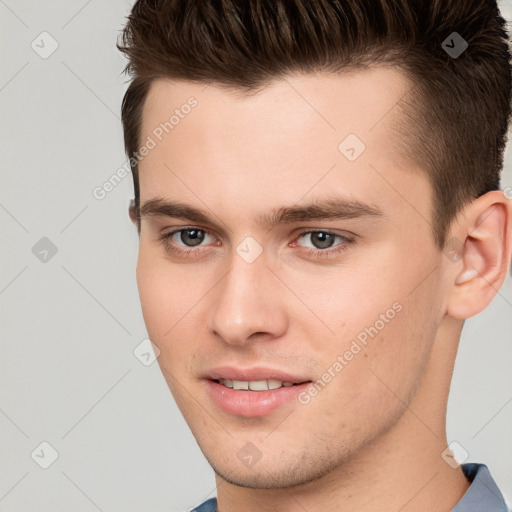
x,y
343,300
153,291
166,302
166,294
382,324
173,307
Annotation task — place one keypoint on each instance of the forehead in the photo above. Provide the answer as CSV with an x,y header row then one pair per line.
x,y
357,100
300,135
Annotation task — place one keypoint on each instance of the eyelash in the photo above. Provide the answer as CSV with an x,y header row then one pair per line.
x,y
315,253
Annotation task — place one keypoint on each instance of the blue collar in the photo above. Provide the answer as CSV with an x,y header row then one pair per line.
x,y
483,494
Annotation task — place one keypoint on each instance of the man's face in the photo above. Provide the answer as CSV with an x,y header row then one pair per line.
x,y
233,297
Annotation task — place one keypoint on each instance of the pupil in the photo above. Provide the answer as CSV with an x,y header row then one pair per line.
x,y
192,236
322,240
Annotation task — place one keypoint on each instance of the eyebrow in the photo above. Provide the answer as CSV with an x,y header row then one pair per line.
x,y
328,208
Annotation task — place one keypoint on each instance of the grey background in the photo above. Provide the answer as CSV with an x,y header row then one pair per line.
x,y
69,326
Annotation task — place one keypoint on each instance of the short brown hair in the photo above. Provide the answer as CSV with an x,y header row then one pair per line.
x,y
461,104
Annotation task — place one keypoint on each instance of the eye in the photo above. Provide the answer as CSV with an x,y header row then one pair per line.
x,y
188,237
320,239
322,243
185,241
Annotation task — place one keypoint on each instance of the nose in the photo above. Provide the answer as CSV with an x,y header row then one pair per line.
x,y
245,305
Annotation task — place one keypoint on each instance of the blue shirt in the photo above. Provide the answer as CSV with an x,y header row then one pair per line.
x,y
483,494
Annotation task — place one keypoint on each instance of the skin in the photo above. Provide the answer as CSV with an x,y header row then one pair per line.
x,y
372,438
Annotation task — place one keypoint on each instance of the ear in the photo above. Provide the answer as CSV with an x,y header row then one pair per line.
x,y
482,243
132,211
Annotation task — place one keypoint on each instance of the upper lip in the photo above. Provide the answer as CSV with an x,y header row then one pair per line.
x,y
254,373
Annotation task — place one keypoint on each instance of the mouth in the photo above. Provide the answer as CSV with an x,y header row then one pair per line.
x,y
253,392
256,385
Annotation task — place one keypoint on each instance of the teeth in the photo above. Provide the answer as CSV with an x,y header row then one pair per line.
x,y
258,385
274,384
254,385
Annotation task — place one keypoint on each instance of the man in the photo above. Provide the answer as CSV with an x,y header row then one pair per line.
x,y
317,195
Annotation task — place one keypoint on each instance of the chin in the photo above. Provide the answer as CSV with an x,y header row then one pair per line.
x,y
267,475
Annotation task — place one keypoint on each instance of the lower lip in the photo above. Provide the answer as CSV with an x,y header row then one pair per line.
x,y
252,403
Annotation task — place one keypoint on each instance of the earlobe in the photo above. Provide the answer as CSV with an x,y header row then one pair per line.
x,y
485,257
